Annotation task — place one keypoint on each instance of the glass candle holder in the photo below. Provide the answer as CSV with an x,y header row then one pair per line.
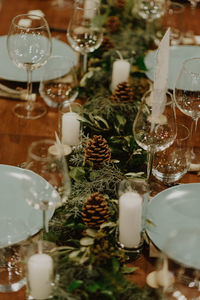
x,y
133,196
40,270
70,124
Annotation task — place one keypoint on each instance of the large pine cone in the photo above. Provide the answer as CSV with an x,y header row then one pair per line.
x,y
113,24
97,151
123,93
107,43
95,211
120,3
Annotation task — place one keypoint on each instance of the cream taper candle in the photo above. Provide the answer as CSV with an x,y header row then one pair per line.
x,y
40,274
130,219
71,129
120,72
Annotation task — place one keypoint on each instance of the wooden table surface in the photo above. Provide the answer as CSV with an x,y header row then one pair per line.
x,y
16,134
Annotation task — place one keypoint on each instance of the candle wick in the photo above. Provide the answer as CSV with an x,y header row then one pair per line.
x,y
119,53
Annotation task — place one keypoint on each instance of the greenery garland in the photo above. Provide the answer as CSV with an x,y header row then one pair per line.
x,y
89,264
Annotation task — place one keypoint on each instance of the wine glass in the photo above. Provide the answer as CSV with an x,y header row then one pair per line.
x,y
13,232
150,10
85,31
59,81
53,187
178,268
163,133
29,47
187,97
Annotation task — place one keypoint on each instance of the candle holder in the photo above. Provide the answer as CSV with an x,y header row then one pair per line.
x,y
70,115
133,197
40,270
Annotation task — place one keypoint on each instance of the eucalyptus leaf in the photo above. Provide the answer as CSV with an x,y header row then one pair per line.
x,y
86,241
74,254
74,285
128,270
77,173
91,232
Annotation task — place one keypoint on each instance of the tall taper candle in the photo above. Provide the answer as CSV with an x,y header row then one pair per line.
x,y
130,219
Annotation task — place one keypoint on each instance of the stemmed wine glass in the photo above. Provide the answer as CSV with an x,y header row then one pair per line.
x,y
59,81
53,187
150,10
85,31
163,133
29,47
187,97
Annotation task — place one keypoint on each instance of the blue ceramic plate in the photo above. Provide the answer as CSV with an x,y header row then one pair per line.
x,y
9,71
178,54
173,209
13,204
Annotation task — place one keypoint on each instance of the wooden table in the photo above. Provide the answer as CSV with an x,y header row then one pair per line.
x,y
16,134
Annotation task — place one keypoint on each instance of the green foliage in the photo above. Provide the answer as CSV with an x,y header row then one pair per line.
x,y
89,263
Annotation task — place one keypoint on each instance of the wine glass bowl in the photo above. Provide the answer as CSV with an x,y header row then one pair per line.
x,y
161,135
178,268
187,97
151,10
29,47
85,31
59,81
53,187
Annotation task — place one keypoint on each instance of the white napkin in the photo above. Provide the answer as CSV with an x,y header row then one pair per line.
x,y
160,78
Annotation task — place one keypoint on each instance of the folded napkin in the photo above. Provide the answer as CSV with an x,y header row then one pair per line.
x,y
160,78
21,94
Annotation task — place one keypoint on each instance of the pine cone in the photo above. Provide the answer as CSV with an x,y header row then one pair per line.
x,y
123,93
95,211
120,3
97,151
107,43
113,24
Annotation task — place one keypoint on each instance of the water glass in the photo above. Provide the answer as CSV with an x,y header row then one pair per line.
x,y
172,163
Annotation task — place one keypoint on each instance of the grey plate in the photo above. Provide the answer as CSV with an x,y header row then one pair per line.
x,y
178,54
9,71
13,204
173,209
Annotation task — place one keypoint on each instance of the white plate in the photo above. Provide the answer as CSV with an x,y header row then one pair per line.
x,y
13,204
178,54
171,210
9,71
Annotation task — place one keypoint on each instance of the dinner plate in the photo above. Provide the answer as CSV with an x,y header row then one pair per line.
x,y
177,55
171,210
13,204
9,71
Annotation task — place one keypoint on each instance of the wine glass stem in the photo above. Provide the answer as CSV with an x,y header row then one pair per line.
x,y
45,226
150,158
193,133
84,64
29,105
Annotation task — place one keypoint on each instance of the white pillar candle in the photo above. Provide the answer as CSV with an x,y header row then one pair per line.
x,y
120,72
71,129
40,273
130,219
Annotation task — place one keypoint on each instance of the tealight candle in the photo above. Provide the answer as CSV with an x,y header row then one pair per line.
x,y
120,72
71,129
130,219
40,273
